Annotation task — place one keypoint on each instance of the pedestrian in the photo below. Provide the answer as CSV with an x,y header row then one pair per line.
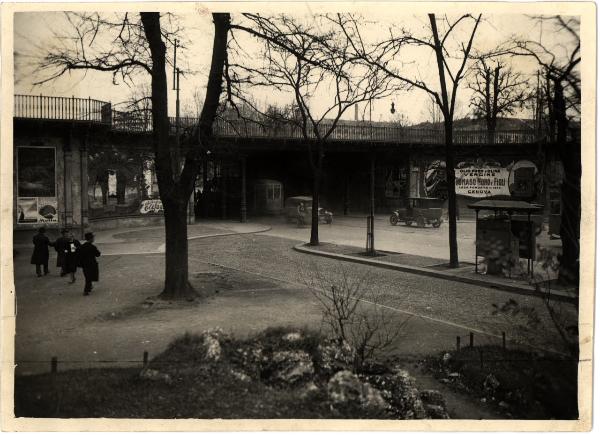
x,y
61,246
72,247
87,260
40,252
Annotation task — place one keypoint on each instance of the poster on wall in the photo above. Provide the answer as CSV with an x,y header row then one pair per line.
x,y
47,209
36,172
36,185
27,210
37,210
151,206
481,182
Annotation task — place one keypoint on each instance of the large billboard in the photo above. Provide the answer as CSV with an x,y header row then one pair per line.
x,y
481,182
36,185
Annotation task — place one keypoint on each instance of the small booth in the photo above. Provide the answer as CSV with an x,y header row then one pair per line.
x,y
268,197
505,233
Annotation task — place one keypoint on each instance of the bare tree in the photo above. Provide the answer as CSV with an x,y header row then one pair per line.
x,y
560,65
497,90
304,61
131,46
382,56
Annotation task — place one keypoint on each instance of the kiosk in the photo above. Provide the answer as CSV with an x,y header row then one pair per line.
x,y
500,236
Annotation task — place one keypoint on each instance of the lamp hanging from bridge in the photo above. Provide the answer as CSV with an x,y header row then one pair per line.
x,y
392,109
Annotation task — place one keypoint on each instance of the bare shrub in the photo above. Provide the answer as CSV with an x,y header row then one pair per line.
x,y
560,312
355,314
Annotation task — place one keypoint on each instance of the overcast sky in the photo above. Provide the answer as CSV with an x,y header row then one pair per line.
x,y
35,32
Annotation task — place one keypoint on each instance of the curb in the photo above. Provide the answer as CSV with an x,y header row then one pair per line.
x,y
160,249
514,288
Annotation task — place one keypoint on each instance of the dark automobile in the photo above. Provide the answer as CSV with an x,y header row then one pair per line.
x,y
299,208
423,211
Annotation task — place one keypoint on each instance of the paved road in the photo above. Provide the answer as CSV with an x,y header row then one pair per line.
x,y
452,303
261,281
428,241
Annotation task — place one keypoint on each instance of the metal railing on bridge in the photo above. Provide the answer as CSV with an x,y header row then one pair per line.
x,y
140,121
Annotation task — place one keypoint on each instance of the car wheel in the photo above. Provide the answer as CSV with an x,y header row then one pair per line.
x,y
330,220
394,219
421,222
436,223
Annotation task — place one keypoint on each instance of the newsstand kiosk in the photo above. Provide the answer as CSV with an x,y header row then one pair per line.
x,y
499,236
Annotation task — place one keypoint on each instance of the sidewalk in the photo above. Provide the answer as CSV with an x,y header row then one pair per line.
x,y
149,240
433,267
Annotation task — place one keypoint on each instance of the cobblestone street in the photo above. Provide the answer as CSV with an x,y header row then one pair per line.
x,y
252,281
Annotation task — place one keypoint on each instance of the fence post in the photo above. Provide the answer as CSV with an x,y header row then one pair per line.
x,y
481,359
54,365
471,337
458,343
145,358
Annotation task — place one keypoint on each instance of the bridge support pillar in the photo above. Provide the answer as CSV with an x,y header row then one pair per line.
x,y
68,178
83,168
243,207
223,190
371,220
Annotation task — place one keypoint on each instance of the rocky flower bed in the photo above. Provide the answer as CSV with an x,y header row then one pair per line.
x,y
520,384
280,373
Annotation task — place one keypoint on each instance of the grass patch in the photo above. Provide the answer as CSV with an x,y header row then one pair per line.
x,y
522,384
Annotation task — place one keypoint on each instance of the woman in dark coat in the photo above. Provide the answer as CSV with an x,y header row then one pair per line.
x,y
40,251
87,259
61,246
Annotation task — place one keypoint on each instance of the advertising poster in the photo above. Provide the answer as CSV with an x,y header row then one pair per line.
x,y
36,174
27,210
151,206
47,209
481,182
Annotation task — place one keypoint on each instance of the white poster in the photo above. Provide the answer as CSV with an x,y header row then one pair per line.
x,y
47,210
151,206
481,182
27,210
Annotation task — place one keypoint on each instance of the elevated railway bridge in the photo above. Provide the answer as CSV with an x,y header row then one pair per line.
x,y
103,162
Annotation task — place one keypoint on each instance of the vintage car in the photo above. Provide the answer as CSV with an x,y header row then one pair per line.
x,y
420,210
299,208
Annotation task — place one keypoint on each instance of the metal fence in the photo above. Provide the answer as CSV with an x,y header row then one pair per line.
x,y
81,109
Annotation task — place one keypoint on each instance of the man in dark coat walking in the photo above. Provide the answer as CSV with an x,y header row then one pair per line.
x,y
61,246
40,251
87,259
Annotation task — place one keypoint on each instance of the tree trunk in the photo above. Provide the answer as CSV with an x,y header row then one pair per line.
x,y
491,131
177,285
104,189
570,155
314,225
450,177
172,195
121,188
176,194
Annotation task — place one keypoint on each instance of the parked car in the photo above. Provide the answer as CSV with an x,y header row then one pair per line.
x,y
299,209
420,210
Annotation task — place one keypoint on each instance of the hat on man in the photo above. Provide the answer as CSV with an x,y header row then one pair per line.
x,y
88,236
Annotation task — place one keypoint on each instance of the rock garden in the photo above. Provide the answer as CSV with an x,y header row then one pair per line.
x,y
279,373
